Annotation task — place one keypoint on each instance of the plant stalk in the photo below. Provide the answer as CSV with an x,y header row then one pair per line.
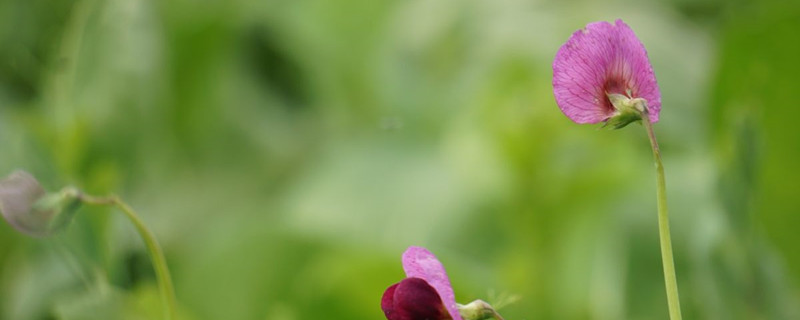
x,y
663,226
153,249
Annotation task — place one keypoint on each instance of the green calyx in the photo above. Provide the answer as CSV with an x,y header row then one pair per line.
x,y
628,110
478,310
59,207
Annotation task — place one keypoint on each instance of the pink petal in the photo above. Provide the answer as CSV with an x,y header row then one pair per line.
x,y
644,80
420,263
599,58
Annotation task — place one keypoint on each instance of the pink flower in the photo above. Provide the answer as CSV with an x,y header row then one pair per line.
x,y
600,60
425,293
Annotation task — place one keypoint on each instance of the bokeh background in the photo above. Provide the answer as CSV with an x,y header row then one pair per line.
x,y
287,152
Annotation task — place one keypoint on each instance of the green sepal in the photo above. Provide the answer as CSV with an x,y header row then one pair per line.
x,y
623,119
628,110
478,310
59,208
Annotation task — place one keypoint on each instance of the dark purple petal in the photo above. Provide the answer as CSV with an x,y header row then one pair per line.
x,y
387,302
415,299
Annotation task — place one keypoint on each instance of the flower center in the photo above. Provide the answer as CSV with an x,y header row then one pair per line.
x,y
615,85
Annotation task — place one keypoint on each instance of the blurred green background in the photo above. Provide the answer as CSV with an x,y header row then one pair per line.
x,y
287,152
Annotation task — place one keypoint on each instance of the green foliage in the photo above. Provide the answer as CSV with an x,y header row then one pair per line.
x,y
285,153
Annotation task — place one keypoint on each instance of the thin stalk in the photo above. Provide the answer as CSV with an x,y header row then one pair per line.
x,y
156,254
663,226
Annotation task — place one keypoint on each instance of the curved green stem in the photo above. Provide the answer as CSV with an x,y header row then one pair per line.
x,y
156,254
663,226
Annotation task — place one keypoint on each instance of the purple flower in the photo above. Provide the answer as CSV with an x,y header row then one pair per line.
x,y
425,294
599,71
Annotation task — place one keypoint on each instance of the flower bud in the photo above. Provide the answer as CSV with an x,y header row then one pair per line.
x,y
478,310
29,209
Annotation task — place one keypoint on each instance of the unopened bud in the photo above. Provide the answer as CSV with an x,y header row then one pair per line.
x,y
478,310
30,209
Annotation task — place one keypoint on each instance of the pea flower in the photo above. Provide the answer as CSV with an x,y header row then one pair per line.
x,y
426,293
602,74
28,208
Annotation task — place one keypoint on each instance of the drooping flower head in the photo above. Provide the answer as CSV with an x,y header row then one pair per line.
x,y
601,72
426,293
27,207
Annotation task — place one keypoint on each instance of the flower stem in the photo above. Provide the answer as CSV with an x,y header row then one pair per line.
x,y
156,254
663,226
